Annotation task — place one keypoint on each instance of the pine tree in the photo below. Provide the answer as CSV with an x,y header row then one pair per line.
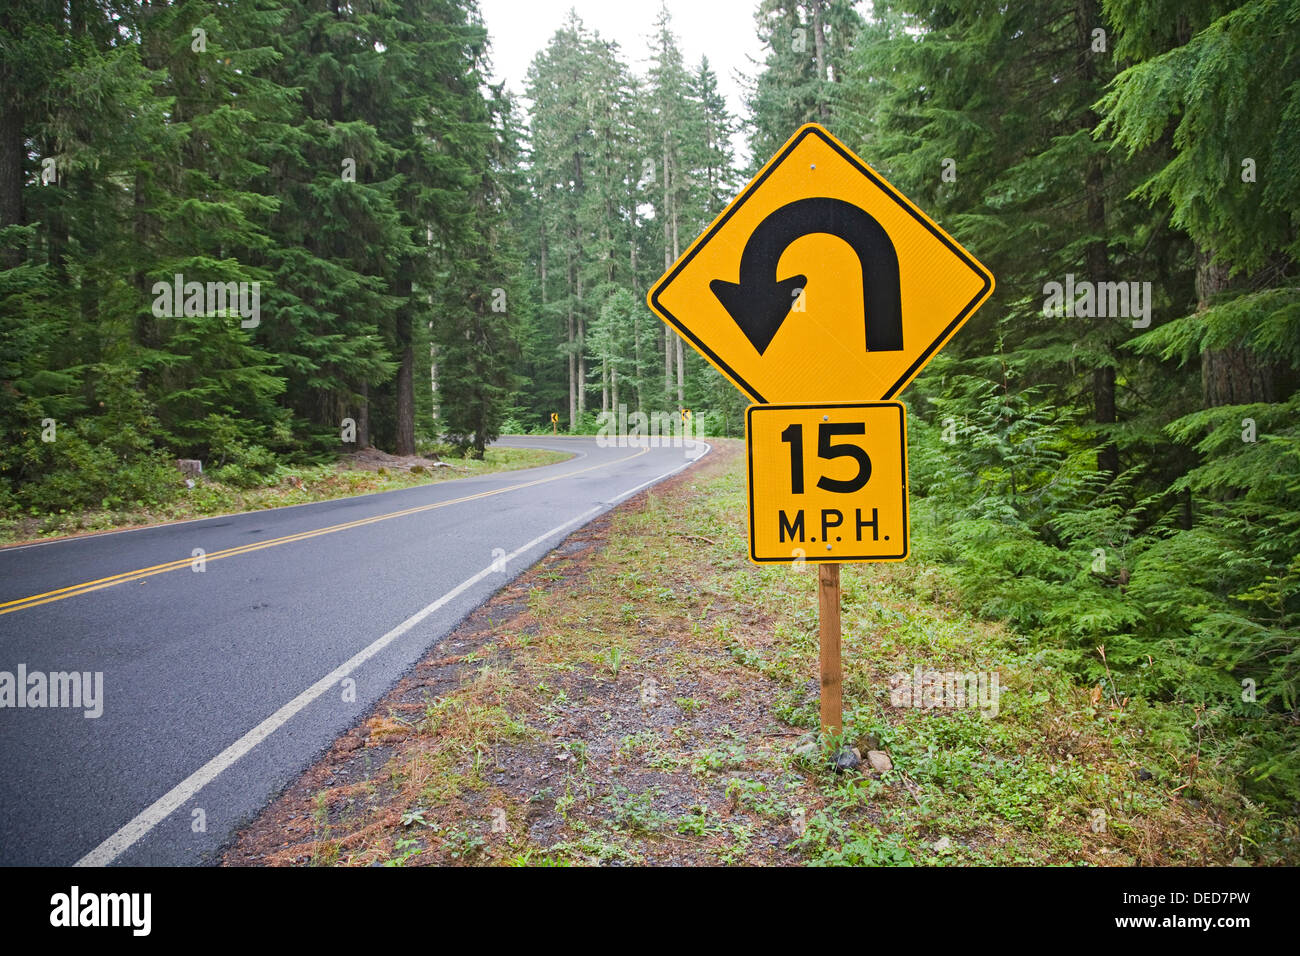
x,y
1222,86
337,227
809,46
561,140
480,298
673,120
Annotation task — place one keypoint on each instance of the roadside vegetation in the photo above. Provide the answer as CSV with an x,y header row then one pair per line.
x,y
161,493
645,695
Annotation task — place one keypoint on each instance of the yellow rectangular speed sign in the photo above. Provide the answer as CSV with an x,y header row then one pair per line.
x,y
827,482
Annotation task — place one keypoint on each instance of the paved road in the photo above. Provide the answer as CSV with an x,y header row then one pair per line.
x,y
220,686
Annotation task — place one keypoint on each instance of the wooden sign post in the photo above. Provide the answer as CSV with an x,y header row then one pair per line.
x,y
828,484
828,606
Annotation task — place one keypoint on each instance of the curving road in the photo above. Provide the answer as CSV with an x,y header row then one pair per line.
x,y
221,685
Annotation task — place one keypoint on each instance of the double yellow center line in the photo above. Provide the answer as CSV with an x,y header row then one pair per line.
x,y
113,580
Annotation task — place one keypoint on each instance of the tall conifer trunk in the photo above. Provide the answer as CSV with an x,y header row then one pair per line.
x,y
1234,375
405,410
1088,16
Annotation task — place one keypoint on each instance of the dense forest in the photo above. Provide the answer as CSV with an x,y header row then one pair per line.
x,y
272,230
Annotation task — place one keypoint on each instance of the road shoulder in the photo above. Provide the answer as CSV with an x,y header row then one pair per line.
x,y
639,696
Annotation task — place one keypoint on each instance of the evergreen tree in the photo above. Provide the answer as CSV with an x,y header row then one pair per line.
x,y
481,300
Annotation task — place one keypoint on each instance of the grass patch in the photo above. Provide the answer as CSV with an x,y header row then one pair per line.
x,y
638,698
287,486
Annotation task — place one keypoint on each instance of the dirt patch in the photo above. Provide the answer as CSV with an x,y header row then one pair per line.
x,y
372,459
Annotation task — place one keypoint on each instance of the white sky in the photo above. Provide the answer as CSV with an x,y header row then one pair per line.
x,y
723,30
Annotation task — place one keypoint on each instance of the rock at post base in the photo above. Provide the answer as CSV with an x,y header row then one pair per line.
x,y
848,759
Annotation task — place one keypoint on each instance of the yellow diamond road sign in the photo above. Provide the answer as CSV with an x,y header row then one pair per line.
x,y
820,282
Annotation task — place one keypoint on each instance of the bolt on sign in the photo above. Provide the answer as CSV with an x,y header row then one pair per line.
x,y
827,482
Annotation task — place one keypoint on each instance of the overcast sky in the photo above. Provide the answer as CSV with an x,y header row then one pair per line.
x,y
723,30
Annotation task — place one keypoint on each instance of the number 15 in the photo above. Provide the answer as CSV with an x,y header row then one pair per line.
x,y
826,449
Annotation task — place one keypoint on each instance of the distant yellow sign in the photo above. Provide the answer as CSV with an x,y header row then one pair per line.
x,y
820,282
827,482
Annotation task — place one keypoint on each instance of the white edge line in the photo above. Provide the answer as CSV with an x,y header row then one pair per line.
x,y
667,474
168,803
164,806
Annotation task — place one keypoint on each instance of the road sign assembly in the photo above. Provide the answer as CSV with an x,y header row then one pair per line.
x,y
821,291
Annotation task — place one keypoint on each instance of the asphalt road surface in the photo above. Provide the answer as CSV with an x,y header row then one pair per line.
x,y
221,685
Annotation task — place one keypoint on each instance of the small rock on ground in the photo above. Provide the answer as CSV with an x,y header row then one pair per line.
x,y
849,758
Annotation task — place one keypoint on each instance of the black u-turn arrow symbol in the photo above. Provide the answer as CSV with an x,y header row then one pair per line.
x,y
759,303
